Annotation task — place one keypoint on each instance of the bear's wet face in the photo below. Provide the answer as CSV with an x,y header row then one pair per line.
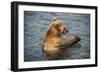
x,y
58,27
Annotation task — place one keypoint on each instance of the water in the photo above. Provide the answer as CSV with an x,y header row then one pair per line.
x,y
36,24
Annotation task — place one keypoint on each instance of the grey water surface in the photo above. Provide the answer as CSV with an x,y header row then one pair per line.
x,y
36,24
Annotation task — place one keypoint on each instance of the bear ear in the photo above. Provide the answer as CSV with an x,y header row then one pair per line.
x,y
54,19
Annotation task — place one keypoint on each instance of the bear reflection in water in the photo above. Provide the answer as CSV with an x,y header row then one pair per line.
x,y
57,39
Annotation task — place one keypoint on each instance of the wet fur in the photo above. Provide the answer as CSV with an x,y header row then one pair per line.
x,y
54,42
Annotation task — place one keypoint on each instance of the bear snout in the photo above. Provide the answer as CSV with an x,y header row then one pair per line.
x,y
78,38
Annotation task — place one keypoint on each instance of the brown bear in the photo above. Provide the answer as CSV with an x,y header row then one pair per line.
x,y
57,39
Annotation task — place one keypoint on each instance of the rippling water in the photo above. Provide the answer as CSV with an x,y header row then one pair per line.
x,y
36,24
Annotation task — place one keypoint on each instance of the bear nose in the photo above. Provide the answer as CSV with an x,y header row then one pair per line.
x,y
78,38
66,30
